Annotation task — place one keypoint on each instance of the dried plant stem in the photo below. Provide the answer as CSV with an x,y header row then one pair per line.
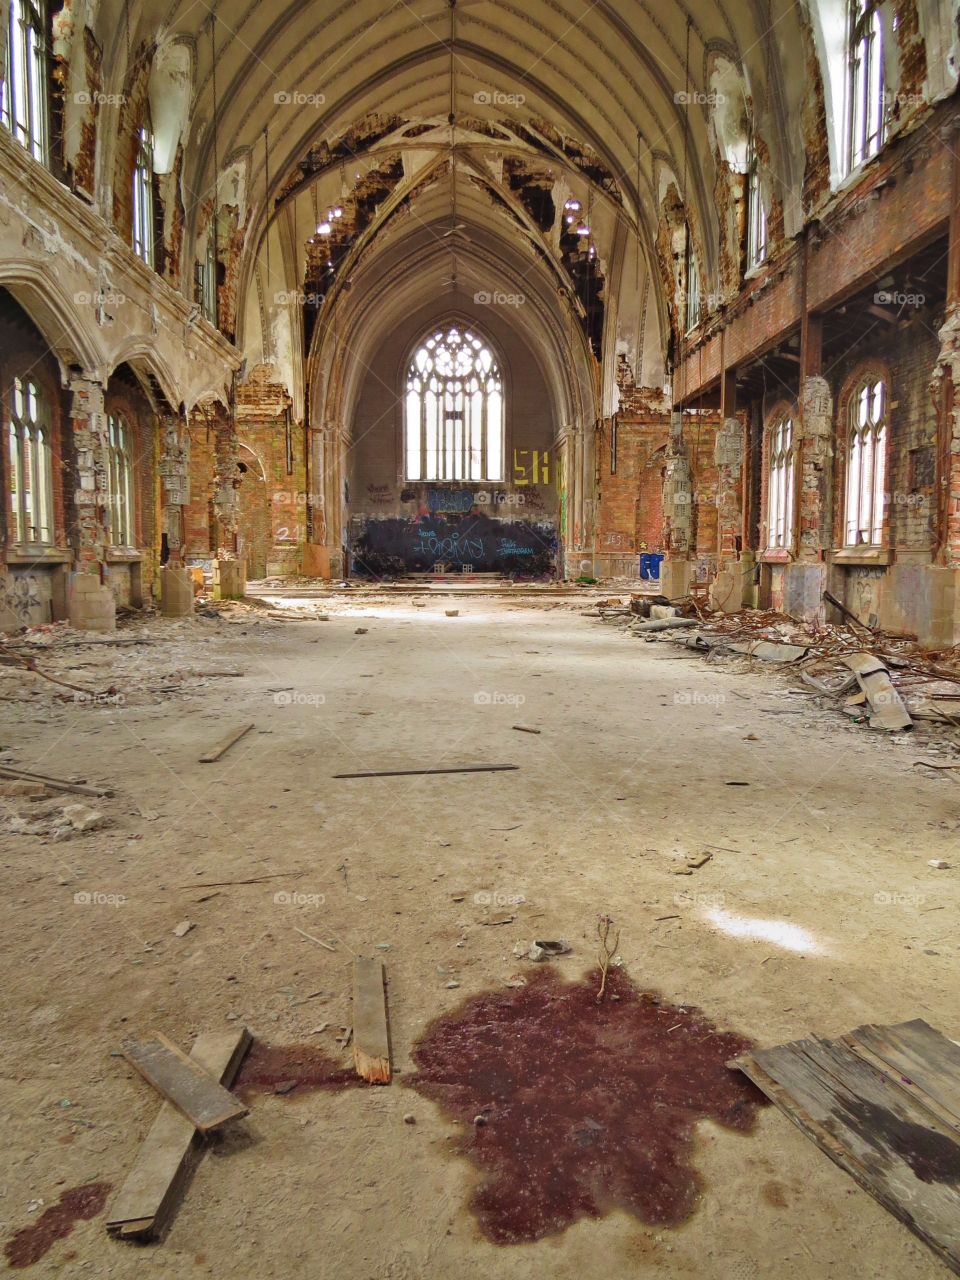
x,y
607,951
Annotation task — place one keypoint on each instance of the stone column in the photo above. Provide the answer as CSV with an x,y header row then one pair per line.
x,y
727,590
675,572
806,579
90,602
230,579
176,585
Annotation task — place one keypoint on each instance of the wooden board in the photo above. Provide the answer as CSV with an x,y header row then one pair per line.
x,y
159,1175
926,1062
225,745
892,1145
371,1034
182,1081
412,773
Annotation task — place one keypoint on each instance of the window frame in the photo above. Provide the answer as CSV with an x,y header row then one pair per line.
x,y
856,462
421,382
26,78
121,493
780,480
692,304
757,228
143,220
30,455
864,114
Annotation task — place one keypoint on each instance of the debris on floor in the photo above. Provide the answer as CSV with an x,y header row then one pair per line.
x,y
884,1104
182,1081
148,1198
371,1034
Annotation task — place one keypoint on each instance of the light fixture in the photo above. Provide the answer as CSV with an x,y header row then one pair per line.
x,y
574,205
324,229
335,212
583,229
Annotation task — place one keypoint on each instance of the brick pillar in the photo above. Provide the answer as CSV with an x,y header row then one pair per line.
x,y
727,591
90,603
230,570
176,586
675,571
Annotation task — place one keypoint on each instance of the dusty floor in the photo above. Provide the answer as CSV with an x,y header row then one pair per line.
x,y
817,912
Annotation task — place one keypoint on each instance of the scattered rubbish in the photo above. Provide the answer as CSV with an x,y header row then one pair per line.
x,y
497,920
452,613
371,1048
411,773
361,631
56,784
887,709
525,728
608,950
939,864
183,928
182,1081
226,743
148,1197
409,1118
83,819
884,1104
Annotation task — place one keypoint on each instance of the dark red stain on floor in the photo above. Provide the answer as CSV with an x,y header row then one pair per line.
x,y
585,1108
291,1069
29,1244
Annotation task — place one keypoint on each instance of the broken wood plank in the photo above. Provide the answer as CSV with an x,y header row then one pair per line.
x,y
226,744
924,1059
159,1175
309,936
525,728
181,1081
895,1148
411,773
371,1034
58,784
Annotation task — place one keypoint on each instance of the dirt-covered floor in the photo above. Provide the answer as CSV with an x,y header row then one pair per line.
x,y
816,912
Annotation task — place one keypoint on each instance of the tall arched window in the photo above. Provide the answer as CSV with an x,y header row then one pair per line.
x,y
120,481
866,462
31,465
454,409
864,82
143,198
24,89
781,482
756,214
691,274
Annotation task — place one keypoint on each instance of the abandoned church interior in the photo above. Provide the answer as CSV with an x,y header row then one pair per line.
x,y
480,638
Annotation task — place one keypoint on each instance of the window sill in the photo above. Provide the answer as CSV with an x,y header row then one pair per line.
x,y
122,555
23,553
861,555
776,555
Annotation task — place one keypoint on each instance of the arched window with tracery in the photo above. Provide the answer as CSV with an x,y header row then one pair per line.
x,y
31,464
120,481
454,409
864,88
781,482
866,462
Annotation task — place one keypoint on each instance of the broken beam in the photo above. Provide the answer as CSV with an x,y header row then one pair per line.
x,y
371,1035
225,744
411,773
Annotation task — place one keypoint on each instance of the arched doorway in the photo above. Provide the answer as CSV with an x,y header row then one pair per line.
x,y
255,534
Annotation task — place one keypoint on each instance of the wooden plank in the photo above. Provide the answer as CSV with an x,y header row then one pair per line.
x,y
161,1171
410,773
890,1145
924,1059
226,744
371,1034
183,1082
57,784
